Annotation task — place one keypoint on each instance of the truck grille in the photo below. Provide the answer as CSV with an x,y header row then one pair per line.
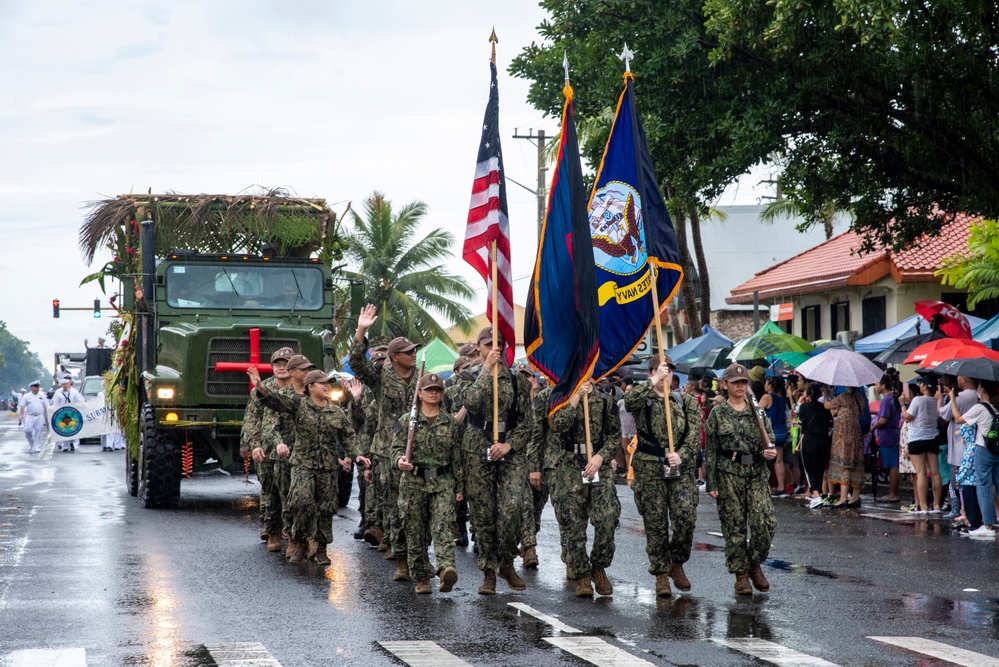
x,y
238,350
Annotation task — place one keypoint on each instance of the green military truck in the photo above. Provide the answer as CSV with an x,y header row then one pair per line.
x,y
223,283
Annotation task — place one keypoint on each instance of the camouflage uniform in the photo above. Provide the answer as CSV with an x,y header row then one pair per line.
x,y
250,438
743,489
575,502
320,432
454,400
537,461
495,489
277,428
395,398
372,511
664,501
427,506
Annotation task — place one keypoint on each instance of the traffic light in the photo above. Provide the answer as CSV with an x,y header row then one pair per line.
x,y
97,308
55,307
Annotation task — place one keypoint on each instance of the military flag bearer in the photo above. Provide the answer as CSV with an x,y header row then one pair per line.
x,y
738,477
431,484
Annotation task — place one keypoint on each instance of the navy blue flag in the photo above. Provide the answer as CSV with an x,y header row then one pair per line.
x,y
633,237
561,327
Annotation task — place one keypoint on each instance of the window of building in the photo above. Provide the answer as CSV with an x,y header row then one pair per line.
x,y
811,323
874,315
839,317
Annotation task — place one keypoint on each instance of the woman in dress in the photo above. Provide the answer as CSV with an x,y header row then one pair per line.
x,y
846,459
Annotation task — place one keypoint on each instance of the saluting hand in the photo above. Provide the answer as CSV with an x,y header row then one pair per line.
x,y
355,388
367,317
254,375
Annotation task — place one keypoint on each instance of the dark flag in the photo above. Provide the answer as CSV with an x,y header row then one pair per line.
x,y
631,233
488,223
561,327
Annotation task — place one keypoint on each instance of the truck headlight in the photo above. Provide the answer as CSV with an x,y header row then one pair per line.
x,y
165,393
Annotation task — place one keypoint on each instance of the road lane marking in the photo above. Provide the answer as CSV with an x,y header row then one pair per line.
x,y
773,653
422,654
46,657
596,651
550,620
941,651
243,654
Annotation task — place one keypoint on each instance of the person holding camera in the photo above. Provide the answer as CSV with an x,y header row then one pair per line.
x,y
921,416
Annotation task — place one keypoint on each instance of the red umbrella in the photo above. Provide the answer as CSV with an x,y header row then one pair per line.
x,y
955,324
938,345
964,352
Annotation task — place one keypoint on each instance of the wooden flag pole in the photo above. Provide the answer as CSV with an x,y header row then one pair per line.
x,y
586,419
654,275
495,344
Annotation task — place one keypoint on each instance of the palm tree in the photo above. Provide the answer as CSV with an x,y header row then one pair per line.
x,y
977,268
403,276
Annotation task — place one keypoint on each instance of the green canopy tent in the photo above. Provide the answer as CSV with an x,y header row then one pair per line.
x,y
439,357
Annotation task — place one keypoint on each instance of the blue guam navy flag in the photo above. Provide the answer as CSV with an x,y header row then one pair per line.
x,y
561,331
633,238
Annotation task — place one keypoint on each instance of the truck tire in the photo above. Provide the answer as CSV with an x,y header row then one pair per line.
x,y
131,474
160,465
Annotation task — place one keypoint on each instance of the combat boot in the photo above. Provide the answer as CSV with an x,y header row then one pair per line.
x,y
382,547
273,543
742,586
662,586
322,558
759,581
601,582
584,587
679,577
373,535
401,571
512,578
423,586
530,556
263,535
449,576
313,548
488,586
296,551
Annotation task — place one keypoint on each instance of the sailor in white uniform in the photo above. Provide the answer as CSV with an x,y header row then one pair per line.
x,y
31,412
67,394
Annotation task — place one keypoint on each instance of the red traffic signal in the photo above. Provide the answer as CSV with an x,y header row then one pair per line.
x,y
55,307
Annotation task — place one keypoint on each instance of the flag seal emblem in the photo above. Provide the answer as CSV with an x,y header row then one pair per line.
x,y
617,229
67,421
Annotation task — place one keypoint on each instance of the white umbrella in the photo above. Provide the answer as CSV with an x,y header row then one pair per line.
x,y
841,368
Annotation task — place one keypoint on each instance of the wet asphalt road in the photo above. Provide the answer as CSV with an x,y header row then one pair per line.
x,y
83,566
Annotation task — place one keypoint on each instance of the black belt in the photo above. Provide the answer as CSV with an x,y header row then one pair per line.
x,y
651,450
488,426
430,473
739,457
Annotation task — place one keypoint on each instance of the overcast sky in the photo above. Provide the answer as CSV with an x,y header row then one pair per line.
x,y
328,98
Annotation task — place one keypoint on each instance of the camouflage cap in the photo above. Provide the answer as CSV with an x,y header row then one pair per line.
x,y
431,380
378,343
317,376
378,355
485,337
285,353
757,373
736,373
461,363
467,350
299,361
401,344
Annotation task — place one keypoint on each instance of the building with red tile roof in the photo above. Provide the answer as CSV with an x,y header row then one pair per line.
x,y
834,288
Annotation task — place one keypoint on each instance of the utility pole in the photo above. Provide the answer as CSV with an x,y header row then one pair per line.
x,y
542,169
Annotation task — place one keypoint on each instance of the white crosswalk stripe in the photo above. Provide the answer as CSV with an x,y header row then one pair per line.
x,y
773,653
422,654
596,651
47,657
243,654
550,620
941,651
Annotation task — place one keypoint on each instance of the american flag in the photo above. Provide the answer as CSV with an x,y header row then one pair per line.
x,y
488,222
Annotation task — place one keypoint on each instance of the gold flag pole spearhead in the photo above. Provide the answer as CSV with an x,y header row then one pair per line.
x,y
493,39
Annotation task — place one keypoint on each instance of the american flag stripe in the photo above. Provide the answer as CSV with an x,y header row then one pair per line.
x,y
488,222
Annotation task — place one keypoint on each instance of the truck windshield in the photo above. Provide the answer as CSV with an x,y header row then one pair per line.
x,y
244,287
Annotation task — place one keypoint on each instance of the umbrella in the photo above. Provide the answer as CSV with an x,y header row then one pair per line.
x,y
841,368
955,324
714,358
967,352
979,368
830,345
761,346
934,346
900,349
792,359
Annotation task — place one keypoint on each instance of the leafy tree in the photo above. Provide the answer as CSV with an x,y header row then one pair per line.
x,y
977,270
887,109
18,365
403,276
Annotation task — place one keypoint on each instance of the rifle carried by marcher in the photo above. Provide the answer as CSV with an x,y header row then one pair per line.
x,y
414,413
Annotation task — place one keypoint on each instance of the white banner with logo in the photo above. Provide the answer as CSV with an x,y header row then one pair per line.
x,y
73,421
